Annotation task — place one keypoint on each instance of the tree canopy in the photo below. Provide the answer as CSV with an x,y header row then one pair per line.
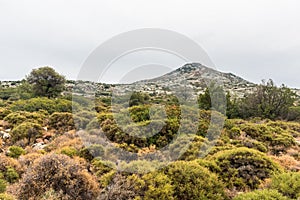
x,y
46,82
268,101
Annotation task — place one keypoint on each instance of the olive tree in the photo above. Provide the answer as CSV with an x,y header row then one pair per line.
x,y
46,82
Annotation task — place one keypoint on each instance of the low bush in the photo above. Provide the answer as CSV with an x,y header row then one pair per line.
x,y
188,147
252,144
287,183
4,112
294,113
28,159
11,175
4,196
192,181
10,168
157,186
42,103
62,175
121,187
3,184
16,118
26,130
140,166
91,152
261,195
15,151
274,137
102,167
245,168
69,151
61,121
287,162
93,124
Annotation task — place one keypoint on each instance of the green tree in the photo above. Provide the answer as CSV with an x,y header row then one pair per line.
x,y
24,90
46,82
213,98
232,109
294,113
268,101
138,98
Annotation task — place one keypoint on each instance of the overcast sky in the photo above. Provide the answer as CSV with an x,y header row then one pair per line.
x,y
255,39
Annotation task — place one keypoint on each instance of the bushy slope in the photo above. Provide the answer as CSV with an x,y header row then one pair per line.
x,y
45,156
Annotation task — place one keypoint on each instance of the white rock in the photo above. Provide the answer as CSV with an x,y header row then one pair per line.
x,y
6,136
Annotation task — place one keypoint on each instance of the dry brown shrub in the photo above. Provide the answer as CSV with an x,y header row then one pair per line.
x,y
66,140
294,152
287,162
28,159
61,174
6,162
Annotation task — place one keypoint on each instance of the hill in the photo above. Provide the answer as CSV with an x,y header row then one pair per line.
x,y
73,147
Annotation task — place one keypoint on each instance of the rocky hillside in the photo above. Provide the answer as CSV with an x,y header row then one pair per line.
x,y
198,77
193,75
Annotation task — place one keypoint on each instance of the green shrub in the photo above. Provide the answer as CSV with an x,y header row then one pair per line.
x,y
9,94
102,167
234,132
26,130
140,166
69,151
80,122
106,179
276,138
157,186
82,101
91,152
17,118
93,124
244,168
42,103
261,195
204,122
139,113
192,181
211,165
15,151
6,197
4,112
104,116
294,113
8,168
3,185
83,118
11,175
61,122
287,183
252,144
188,147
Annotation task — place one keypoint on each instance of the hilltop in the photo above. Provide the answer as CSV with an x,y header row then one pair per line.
x,y
198,77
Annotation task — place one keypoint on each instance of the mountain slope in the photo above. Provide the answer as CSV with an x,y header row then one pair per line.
x,y
198,77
